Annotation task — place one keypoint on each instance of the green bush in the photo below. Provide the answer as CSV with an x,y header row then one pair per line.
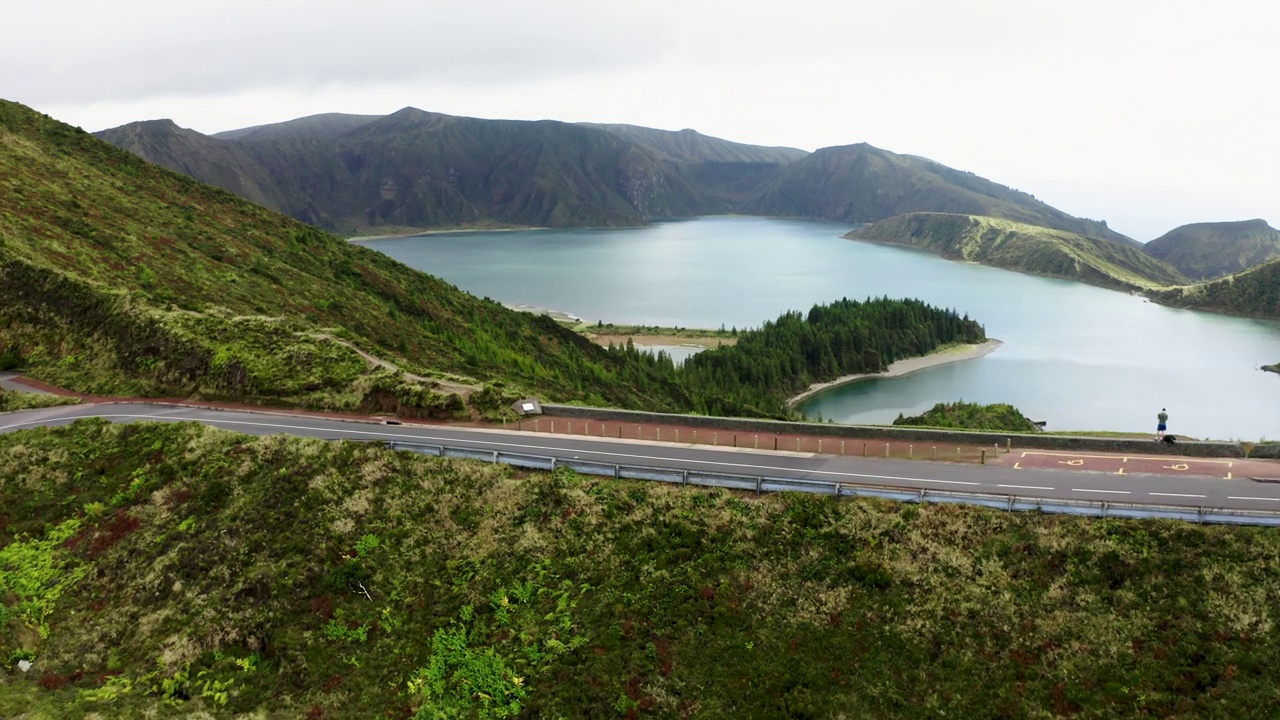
x,y
971,416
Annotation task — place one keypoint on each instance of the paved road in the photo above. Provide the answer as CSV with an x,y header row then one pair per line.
x,y
8,381
1065,483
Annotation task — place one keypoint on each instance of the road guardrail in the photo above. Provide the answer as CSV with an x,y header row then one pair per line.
x,y
766,483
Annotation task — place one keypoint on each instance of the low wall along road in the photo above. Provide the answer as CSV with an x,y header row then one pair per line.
x,y
920,437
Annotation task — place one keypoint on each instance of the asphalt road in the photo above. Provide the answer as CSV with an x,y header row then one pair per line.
x,y
1049,483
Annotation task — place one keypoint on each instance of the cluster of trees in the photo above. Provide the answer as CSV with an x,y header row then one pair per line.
x,y
784,357
971,416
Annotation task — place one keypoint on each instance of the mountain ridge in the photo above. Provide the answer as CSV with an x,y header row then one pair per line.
x,y
415,168
861,183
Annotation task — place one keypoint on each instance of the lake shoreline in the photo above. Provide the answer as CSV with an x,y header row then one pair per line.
x,y
906,366
436,231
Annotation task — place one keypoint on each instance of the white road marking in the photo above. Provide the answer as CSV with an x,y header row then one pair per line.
x,y
1026,487
1177,495
426,438
1233,497
1113,492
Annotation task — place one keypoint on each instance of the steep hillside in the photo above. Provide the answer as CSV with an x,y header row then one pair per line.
x,y
120,276
1025,248
1202,251
1254,292
420,169
153,570
217,162
863,184
731,172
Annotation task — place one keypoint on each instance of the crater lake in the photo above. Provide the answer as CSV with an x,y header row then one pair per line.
x,y
1075,356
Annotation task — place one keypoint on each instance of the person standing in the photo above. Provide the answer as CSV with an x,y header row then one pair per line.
x,y
1162,423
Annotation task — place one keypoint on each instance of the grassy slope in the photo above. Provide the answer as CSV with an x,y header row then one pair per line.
x,y
1254,292
11,400
1026,248
121,276
1208,250
162,559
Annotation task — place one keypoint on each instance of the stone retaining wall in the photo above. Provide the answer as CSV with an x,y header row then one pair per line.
x,y
886,432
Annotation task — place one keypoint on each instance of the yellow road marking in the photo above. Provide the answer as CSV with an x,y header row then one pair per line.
x,y
1179,466
1017,466
1070,462
1228,463
1120,471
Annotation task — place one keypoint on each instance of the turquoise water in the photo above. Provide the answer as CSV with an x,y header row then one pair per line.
x,y
1075,356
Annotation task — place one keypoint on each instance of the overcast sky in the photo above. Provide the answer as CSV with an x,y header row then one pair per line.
x,y
1146,114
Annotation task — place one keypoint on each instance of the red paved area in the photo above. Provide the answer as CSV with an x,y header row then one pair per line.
x,y
1118,464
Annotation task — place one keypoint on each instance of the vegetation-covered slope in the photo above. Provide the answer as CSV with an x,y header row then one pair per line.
x,y
863,184
971,416
214,161
1209,250
1025,248
120,276
181,570
1254,292
420,169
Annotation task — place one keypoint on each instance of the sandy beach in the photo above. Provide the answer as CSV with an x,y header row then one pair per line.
x,y
952,354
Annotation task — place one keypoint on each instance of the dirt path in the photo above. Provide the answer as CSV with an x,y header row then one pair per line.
x,y
461,389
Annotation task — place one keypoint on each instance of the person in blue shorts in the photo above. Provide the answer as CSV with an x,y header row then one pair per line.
x,y
1162,420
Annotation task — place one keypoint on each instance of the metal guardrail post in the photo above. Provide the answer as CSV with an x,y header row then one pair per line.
x,y
617,472
495,457
553,464
684,477
759,483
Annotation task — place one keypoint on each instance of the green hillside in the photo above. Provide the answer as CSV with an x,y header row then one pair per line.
x,y
1025,248
864,184
1203,251
117,276
1254,292
179,571
418,169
